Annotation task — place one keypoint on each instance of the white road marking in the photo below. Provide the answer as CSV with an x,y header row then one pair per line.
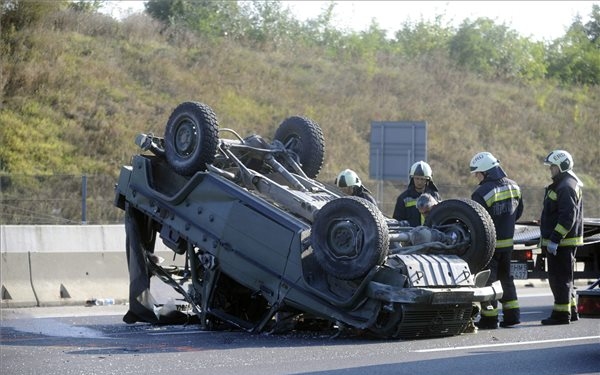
x,y
506,344
523,295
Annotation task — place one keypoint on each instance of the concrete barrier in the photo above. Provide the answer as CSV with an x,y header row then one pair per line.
x,y
49,265
15,278
74,278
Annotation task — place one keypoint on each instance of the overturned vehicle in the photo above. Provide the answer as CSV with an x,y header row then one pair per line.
x,y
269,248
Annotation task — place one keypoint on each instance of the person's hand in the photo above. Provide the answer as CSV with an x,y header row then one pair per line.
x,y
552,247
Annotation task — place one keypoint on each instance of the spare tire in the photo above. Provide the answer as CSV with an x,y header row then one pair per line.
x,y
304,138
349,237
466,218
191,138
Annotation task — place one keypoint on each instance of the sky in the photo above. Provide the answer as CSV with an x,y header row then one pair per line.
x,y
538,20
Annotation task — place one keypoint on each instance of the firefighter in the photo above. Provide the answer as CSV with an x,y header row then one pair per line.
x,y
349,182
421,181
561,227
501,197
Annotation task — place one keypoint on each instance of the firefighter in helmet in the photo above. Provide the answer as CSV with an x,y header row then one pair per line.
x,y
349,183
421,181
561,227
501,197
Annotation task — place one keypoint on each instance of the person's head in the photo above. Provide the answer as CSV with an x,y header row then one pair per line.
x,y
420,174
347,180
559,161
482,163
425,203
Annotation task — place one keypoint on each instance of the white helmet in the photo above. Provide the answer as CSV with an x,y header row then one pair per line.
x,y
560,158
483,162
347,177
421,168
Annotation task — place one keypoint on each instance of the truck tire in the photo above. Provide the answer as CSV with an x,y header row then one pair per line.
x,y
304,138
191,138
467,219
349,237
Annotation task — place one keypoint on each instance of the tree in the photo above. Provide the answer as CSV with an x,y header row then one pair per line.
x,y
422,38
17,14
592,28
86,6
267,22
496,51
166,11
206,17
575,58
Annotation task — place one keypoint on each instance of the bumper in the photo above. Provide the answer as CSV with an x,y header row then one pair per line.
x,y
434,296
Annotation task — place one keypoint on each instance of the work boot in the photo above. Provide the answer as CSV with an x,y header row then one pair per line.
x,y
509,323
557,318
511,317
487,323
574,314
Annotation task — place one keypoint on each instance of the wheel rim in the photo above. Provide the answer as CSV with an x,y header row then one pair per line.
x,y
344,239
186,138
459,231
470,221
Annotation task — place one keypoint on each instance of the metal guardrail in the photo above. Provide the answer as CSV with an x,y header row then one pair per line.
x,y
77,199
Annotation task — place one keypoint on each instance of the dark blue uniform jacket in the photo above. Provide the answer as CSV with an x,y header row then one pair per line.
x,y
502,199
562,214
406,204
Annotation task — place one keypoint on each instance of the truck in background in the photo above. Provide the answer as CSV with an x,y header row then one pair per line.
x,y
529,261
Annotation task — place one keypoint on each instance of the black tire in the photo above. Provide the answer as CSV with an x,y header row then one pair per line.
x,y
471,219
305,138
349,237
191,138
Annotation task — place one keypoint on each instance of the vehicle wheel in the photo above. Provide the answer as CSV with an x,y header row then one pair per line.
x,y
191,138
304,138
349,237
468,220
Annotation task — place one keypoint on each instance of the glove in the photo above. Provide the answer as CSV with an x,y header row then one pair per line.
x,y
404,223
552,247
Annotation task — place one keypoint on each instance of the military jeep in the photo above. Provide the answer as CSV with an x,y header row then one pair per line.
x,y
266,247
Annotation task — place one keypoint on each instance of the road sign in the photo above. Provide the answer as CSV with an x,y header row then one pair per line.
x,y
394,147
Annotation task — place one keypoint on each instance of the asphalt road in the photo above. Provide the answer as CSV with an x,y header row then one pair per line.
x,y
94,340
